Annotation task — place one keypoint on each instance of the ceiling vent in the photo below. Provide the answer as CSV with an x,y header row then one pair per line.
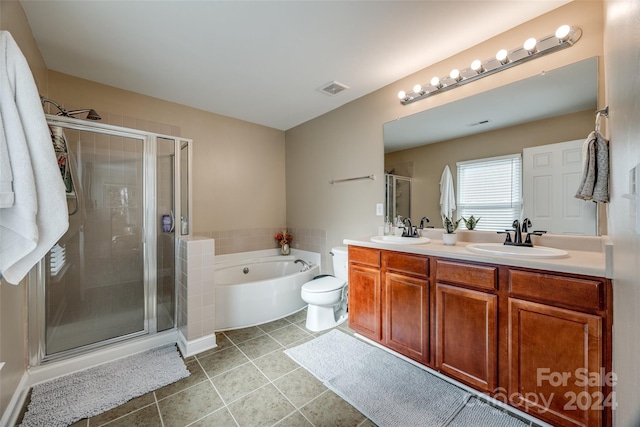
x,y
333,88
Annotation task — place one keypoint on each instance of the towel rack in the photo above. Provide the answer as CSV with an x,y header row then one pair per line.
x,y
601,113
335,181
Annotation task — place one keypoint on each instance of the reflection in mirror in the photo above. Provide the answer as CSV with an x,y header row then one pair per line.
x,y
184,187
553,107
397,197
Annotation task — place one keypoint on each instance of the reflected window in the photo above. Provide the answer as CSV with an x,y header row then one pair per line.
x,y
490,189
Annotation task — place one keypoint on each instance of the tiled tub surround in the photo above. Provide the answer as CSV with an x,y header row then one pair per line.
x,y
247,380
247,240
196,294
195,275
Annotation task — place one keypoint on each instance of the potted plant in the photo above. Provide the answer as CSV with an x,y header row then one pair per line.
x,y
471,222
284,238
450,226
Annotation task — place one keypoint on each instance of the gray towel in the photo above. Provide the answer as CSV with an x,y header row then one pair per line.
x,y
595,175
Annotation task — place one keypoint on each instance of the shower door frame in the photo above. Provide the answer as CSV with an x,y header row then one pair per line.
x,y
36,283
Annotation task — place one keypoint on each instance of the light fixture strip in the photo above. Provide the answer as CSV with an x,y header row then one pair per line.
x,y
519,55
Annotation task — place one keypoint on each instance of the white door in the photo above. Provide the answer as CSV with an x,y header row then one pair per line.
x,y
551,176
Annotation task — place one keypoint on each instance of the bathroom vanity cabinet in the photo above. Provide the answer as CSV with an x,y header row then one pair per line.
x,y
467,323
537,340
365,292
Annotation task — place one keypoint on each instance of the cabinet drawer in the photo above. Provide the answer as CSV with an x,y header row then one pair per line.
x,y
574,292
485,277
364,256
403,263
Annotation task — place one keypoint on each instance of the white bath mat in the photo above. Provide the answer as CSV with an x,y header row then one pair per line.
x,y
65,400
389,390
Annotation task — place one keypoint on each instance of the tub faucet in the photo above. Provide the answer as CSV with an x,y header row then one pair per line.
x,y
305,265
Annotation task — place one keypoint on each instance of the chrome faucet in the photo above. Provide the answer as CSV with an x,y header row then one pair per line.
x,y
305,265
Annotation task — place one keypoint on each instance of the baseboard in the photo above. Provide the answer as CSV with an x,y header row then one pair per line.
x,y
11,414
189,348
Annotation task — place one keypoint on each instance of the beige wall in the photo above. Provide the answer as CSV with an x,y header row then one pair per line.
x,y
13,19
13,298
348,142
238,167
622,56
429,160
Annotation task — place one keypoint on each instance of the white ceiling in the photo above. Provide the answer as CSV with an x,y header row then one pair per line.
x,y
262,61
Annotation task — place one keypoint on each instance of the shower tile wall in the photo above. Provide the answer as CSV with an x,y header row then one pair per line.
x,y
196,300
98,294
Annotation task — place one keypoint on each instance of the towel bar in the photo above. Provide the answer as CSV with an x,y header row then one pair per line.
x,y
334,181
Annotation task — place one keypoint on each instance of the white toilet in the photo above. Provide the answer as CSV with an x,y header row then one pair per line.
x,y
327,295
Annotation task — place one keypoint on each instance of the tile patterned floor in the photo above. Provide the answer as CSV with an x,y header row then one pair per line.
x,y
246,381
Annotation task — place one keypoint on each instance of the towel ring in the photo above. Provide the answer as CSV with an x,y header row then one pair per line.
x,y
601,113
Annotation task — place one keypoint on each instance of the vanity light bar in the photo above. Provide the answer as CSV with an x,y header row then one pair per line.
x,y
564,37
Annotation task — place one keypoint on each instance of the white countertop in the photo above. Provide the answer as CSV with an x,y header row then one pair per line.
x,y
590,256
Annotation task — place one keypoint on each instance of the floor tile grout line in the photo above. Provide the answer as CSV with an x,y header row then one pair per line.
x,y
121,416
272,382
155,400
224,403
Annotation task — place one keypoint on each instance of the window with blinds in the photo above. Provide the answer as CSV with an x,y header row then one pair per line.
x,y
490,189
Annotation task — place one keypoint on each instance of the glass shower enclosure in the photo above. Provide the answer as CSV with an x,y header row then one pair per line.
x,y
397,196
111,277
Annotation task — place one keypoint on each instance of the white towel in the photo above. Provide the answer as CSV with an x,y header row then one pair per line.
x,y
6,176
39,215
447,194
594,184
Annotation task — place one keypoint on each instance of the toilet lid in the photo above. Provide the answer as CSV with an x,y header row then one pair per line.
x,y
324,284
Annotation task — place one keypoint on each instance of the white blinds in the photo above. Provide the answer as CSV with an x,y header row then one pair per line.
x,y
491,189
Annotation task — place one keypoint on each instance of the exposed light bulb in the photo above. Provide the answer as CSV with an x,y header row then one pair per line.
x,y
530,45
402,94
455,75
562,32
502,56
435,82
417,89
477,66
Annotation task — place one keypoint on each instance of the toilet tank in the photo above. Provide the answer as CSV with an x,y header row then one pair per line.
x,y
340,259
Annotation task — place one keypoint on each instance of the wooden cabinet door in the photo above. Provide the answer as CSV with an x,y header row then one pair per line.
x,y
365,305
407,316
555,360
466,335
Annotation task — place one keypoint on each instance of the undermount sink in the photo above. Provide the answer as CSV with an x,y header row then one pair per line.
x,y
399,240
536,252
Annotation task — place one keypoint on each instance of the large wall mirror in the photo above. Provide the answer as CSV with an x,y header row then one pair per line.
x,y
547,110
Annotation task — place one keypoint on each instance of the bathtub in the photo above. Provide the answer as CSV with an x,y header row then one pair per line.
x,y
252,288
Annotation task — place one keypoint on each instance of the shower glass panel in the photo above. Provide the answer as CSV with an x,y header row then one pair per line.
x,y
165,178
95,287
398,196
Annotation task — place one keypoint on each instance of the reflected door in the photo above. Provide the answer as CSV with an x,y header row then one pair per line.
x,y
95,285
551,175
